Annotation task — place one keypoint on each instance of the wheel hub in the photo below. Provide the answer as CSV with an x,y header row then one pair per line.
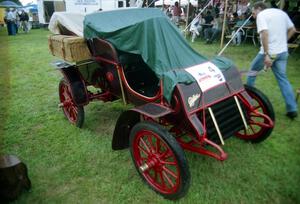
x,y
152,162
65,104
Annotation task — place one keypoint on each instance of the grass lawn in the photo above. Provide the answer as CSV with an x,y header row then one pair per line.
x,y
71,165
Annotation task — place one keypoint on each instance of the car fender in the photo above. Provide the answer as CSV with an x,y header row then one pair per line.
x,y
78,88
129,118
123,127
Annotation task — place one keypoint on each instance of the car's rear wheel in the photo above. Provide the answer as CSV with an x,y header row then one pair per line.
x,y
73,112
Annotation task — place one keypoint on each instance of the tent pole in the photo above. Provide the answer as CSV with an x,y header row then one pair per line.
x,y
224,24
187,16
152,2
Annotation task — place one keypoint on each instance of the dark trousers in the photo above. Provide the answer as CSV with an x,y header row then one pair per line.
x,y
11,28
211,34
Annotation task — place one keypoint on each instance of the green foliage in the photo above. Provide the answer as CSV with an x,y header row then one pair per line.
x,y
71,165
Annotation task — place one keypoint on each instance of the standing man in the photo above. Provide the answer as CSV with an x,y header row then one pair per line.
x,y
275,28
24,18
176,13
10,20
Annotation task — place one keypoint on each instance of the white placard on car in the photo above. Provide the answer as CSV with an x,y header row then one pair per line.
x,y
207,75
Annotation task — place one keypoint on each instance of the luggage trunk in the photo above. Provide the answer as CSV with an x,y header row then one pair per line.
x,y
69,48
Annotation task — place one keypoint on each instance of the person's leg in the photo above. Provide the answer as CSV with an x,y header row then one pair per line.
x,y
13,28
234,38
29,24
279,70
212,34
209,32
239,38
194,34
21,27
9,25
206,33
215,34
256,66
200,31
26,26
174,19
17,24
177,20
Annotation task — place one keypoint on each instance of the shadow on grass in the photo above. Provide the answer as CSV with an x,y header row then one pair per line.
x,y
100,117
4,85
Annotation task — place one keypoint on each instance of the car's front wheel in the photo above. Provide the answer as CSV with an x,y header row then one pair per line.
x,y
160,160
259,127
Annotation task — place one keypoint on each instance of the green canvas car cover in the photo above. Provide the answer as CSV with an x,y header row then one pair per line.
x,y
149,33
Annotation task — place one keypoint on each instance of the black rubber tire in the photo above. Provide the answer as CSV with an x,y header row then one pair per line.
x,y
174,147
257,94
80,110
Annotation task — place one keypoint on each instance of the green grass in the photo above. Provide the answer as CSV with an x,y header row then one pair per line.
x,y
71,165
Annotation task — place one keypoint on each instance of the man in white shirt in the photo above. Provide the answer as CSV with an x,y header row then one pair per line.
x,y
10,19
275,28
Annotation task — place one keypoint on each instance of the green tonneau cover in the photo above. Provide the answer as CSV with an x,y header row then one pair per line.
x,y
149,33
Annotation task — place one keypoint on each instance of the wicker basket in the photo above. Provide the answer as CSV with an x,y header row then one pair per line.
x,y
69,48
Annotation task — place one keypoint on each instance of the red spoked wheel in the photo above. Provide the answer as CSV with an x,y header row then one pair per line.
x,y
260,127
159,160
73,112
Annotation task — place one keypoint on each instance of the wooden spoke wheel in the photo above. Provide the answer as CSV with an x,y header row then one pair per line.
x,y
160,160
73,112
259,127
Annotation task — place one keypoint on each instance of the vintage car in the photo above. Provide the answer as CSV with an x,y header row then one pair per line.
x,y
182,100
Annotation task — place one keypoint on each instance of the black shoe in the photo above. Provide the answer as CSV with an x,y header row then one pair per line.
x,y
292,114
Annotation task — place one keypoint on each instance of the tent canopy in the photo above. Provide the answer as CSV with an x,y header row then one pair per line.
x,y
172,2
9,4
